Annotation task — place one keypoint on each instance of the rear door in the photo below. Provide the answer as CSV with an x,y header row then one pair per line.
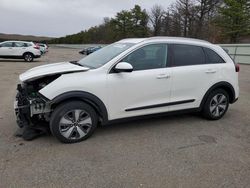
x,y
6,49
19,48
192,76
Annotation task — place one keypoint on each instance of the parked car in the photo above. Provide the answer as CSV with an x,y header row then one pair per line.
x,y
89,50
130,78
84,50
19,50
43,48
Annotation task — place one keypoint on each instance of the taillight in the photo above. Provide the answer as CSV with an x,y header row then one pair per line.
x,y
36,47
237,67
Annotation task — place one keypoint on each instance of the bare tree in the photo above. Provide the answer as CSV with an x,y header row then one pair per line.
x,y
166,24
182,17
184,7
205,10
156,19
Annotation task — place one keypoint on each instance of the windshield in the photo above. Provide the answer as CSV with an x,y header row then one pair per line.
x,y
104,55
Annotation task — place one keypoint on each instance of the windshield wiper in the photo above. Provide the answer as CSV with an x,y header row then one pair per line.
x,y
82,65
76,63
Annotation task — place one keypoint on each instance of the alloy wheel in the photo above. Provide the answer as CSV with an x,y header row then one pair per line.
x,y
28,57
218,105
75,124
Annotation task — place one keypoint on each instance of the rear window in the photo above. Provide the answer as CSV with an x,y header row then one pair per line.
x,y
213,57
185,55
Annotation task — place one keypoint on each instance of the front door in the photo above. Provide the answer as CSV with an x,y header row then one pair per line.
x,y
6,49
146,90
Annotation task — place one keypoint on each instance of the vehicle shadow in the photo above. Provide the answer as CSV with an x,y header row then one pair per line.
x,y
17,61
146,122
154,123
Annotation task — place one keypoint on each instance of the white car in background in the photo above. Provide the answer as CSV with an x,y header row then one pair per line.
x,y
19,50
132,77
43,48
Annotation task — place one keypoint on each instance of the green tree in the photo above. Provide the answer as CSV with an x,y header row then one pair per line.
x,y
234,19
140,22
132,23
122,24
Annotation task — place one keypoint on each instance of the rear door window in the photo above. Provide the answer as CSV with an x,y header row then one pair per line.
x,y
19,44
185,55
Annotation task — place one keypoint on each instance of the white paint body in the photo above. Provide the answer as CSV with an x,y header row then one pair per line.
x,y
121,91
18,51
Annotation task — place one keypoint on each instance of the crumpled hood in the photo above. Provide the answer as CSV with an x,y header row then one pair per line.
x,y
50,69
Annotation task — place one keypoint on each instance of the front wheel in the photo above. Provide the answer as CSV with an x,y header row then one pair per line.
x,y
73,122
216,104
28,57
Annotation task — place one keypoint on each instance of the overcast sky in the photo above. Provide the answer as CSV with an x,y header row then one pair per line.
x,y
61,17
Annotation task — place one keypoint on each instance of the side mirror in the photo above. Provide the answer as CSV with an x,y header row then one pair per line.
x,y
123,67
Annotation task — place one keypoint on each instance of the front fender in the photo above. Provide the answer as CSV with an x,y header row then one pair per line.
x,y
89,98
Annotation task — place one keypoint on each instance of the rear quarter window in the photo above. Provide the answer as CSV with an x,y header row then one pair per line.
x,y
212,57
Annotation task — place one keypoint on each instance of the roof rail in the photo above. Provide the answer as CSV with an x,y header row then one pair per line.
x,y
177,38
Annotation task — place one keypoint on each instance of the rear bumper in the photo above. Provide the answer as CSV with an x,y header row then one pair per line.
x,y
37,56
37,53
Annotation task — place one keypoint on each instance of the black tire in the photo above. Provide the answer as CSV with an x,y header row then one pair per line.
x,y
211,109
60,127
28,57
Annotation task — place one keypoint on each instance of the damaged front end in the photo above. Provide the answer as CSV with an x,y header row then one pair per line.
x,y
32,109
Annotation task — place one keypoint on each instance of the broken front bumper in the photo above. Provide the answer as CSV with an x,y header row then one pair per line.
x,y
22,115
22,108
26,107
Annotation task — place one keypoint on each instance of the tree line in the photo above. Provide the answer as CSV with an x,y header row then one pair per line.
x,y
212,20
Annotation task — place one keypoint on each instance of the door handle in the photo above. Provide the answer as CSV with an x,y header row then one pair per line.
x,y
211,71
10,48
163,76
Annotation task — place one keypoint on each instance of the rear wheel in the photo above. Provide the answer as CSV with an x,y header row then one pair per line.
x,y
216,105
73,122
28,57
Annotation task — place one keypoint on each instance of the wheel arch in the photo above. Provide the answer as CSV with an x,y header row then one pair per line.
x,y
220,85
28,53
89,98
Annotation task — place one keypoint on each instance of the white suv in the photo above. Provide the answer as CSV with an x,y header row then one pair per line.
x,y
130,78
19,50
